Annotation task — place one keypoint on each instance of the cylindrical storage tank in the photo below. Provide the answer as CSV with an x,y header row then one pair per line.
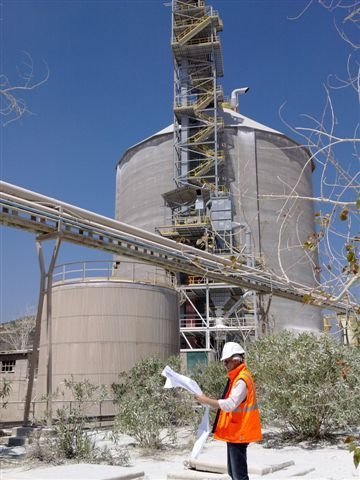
x,y
103,327
144,172
259,162
267,171
264,167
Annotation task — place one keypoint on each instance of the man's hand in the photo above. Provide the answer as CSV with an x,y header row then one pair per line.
x,y
204,400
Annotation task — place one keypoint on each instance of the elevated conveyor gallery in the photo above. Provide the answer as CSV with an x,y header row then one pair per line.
x,y
27,210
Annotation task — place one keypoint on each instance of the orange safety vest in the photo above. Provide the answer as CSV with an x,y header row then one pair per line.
x,y
243,424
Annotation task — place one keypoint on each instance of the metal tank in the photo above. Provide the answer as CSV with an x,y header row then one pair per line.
x,y
263,168
144,172
103,325
259,161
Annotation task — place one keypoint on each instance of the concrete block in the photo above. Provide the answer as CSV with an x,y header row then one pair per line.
x,y
22,431
16,441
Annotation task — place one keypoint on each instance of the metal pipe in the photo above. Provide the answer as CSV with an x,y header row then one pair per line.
x,y
34,356
234,100
49,276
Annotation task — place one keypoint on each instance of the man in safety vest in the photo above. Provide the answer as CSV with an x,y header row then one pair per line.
x,y
237,421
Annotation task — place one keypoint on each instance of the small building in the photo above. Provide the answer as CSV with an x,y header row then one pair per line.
x,y
14,368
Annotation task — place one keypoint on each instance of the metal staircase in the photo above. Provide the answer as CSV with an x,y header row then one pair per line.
x,y
199,159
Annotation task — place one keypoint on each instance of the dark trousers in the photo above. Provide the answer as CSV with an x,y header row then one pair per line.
x,y
237,461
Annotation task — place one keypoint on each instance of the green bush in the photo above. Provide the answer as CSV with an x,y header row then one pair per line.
x,y
146,410
353,448
307,385
211,378
69,437
5,389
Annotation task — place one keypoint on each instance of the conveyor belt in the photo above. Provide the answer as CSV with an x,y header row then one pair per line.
x,y
24,209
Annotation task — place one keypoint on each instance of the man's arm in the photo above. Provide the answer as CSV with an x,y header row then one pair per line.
x,y
229,404
207,401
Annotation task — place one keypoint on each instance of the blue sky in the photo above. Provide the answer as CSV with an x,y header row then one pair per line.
x,y
110,86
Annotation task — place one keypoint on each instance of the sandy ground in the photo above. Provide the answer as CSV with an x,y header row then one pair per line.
x,y
330,462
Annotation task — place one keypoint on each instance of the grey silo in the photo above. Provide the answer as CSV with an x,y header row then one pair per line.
x,y
102,327
144,172
259,161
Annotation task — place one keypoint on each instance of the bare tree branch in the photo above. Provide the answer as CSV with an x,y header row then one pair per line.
x,y
336,159
12,105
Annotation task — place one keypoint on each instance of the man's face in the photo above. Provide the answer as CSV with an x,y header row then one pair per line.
x,y
230,364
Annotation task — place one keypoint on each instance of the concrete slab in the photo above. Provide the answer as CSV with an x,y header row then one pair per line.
x,y
15,453
195,475
207,466
213,458
210,466
271,468
77,472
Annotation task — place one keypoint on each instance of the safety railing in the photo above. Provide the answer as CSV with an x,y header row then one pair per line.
x,y
197,101
192,220
192,30
189,4
100,412
209,39
111,270
196,322
201,135
210,153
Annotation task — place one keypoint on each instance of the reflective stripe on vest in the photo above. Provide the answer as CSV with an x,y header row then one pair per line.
x,y
246,409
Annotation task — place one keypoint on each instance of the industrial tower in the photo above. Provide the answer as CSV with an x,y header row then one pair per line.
x,y
201,204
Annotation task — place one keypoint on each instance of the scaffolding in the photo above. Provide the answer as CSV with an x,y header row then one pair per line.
x,y
197,67
201,206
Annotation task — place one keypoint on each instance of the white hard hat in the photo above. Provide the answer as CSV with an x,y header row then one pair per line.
x,y
230,349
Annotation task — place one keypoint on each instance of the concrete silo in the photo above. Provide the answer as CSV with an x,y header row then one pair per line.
x,y
259,161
